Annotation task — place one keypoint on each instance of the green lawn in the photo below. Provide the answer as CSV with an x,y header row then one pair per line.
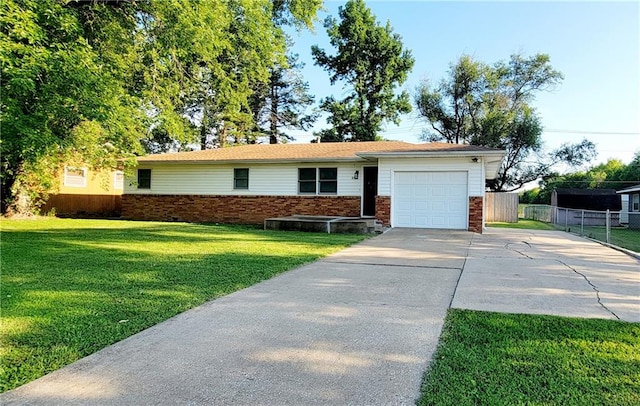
x,y
504,359
524,224
622,237
72,287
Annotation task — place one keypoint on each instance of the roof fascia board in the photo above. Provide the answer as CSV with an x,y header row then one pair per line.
x,y
432,154
252,161
629,190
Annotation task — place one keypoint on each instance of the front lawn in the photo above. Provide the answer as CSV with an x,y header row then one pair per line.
x,y
506,359
72,287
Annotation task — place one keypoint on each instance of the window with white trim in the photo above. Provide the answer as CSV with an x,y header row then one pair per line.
x,y
635,202
328,180
118,180
75,177
241,178
322,181
144,178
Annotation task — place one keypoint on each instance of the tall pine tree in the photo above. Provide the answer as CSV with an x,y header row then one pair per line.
x,y
370,62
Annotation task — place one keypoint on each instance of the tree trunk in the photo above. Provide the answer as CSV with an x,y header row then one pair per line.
x,y
16,201
273,131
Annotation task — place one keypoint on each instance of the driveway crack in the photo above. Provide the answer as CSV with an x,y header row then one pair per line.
x,y
508,246
594,287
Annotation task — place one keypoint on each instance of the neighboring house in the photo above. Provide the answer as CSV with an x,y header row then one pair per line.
x,y
633,206
83,192
586,206
433,185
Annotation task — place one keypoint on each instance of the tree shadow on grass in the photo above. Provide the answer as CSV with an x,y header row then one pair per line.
x,y
69,292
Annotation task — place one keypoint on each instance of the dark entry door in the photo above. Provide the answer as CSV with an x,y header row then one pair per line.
x,y
370,181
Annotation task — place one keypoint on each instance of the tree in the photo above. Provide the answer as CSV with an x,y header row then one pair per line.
x,y
224,52
613,174
490,106
67,93
282,102
85,81
371,60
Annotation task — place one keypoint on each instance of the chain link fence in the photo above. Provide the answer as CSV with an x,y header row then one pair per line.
x,y
587,223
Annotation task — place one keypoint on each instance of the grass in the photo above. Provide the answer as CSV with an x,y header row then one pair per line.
x,y
524,224
491,358
622,237
72,287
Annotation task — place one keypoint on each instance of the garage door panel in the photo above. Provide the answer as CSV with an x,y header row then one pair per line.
x,y
430,200
421,206
438,191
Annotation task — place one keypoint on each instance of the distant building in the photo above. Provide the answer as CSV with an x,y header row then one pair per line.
x,y
586,206
86,193
633,206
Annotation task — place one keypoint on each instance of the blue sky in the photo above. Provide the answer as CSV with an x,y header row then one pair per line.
x,y
596,45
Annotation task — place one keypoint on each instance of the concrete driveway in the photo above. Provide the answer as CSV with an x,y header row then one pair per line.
x,y
548,272
356,328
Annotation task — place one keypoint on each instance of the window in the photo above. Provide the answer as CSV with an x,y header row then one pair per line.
x,y
328,180
322,180
307,180
144,178
75,177
241,178
118,180
635,202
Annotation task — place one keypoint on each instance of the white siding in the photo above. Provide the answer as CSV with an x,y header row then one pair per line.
x,y
388,166
264,179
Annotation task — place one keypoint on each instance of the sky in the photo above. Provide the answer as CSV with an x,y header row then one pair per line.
x,y
596,46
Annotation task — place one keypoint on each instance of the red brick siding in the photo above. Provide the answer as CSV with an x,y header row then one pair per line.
x,y
234,209
476,205
383,210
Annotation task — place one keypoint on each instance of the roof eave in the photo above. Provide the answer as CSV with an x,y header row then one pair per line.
x,y
251,161
432,154
629,190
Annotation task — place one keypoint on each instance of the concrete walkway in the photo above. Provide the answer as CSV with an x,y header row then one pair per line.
x,y
356,328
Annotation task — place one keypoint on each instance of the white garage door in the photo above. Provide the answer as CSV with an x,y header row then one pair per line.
x,y
430,200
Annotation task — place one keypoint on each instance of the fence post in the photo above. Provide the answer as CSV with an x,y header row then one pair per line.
x,y
566,220
608,225
582,224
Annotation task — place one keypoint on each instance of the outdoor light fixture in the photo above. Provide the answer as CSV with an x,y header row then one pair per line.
x,y
356,174
474,159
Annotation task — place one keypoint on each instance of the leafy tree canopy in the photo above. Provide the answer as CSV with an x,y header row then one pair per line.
x,y
86,81
491,106
371,61
613,174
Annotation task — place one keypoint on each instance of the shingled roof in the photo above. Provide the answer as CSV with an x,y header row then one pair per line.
x,y
339,151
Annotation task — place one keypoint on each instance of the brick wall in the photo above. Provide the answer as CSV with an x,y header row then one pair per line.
x,y
476,205
383,210
234,209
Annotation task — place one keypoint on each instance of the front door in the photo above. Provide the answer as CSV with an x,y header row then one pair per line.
x,y
370,182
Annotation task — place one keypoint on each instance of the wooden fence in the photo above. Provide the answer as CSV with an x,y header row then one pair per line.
x,y
83,205
501,207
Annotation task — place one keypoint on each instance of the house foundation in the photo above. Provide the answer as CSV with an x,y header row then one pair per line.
x,y
234,209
